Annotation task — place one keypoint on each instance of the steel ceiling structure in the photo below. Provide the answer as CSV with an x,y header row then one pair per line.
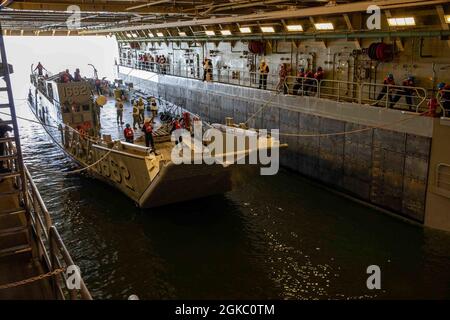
x,y
143,20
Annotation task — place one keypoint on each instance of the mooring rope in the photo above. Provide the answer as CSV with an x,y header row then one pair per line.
x,y
78,170
87,166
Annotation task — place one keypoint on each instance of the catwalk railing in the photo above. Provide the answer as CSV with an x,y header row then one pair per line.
x,y
413,99
49,247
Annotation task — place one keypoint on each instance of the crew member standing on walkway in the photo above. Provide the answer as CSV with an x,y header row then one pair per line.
x,y
128,133
147,128
319,75
141,107
209,71
283,74
309,82
119,110
407,91
388,81
205,68
263,72
136,116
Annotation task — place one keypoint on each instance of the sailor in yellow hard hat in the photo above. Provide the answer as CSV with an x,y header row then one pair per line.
x,y
141,107
153,107
119,110
136,115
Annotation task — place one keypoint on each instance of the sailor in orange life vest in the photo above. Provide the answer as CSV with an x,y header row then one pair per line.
x,y
128,133
407,91
147,128
388,81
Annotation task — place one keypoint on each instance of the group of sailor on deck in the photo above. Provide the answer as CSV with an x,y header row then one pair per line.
x,y
139,118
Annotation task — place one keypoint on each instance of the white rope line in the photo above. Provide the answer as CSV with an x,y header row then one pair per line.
x,y
353,131
87,166
265,105
78,170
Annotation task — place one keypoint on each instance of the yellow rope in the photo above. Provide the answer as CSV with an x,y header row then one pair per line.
x,y
32,279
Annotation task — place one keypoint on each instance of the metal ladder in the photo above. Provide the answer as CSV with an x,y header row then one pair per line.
x,y
15,226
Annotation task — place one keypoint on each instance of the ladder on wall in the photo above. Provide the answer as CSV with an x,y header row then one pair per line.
x,y
14,221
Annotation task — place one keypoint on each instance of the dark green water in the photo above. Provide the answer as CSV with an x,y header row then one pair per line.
x,y
275,237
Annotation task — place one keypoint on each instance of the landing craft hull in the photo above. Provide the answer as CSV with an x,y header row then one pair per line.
x,y
144,179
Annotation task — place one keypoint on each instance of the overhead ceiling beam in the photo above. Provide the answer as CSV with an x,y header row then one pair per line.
x,y
310,36
145,5
350,28
441,13
90,7
286,14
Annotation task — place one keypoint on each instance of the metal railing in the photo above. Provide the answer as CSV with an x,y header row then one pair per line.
x,y
48,246
412,99
390,96
238,77
301,86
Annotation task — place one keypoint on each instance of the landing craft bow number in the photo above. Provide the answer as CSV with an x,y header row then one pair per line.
x,y
75,91
117,171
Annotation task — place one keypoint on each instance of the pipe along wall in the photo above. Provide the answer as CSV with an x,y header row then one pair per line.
x,y
387,167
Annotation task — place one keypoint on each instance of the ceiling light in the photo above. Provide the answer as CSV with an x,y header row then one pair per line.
x,y
210,33
225,32
447,19
245,30
324,26
134,35
128,35
151,35
267,29
396,22
295,27
160,34
182,34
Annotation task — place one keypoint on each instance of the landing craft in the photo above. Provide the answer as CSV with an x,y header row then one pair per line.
x,y
70,113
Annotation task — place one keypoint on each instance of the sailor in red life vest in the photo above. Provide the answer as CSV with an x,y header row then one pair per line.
x,y
407,91
309,81
175,125
147,128
319,75
77,75
128,133
388,81
64,77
